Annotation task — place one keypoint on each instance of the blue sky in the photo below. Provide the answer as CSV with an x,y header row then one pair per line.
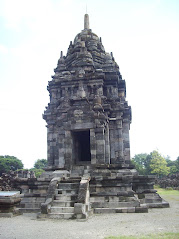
x,y
143,36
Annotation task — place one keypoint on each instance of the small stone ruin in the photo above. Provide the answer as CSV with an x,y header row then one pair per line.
x,y
88,121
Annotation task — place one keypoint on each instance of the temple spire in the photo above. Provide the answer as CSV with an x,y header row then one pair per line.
x,y
86,21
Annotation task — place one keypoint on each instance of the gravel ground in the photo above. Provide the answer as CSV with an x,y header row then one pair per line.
x,y
97,226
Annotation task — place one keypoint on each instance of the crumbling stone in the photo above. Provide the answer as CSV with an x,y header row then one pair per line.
x,y
170,181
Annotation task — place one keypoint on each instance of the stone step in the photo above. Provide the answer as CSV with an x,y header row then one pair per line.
x,y
110,188
108,194
114,204
62,209
44,180
72,179
66,198
68,185
32,199
30,205
78,167
61,216
155,200
121,210
109,184
39,191
39,186
162,204
35,195
113,199
76,173
58,203
29,210
66,192
111,175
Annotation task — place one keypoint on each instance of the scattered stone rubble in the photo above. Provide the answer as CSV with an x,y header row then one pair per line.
x,y
8,181
170,181
88,121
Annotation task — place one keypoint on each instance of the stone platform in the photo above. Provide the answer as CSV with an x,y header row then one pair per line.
x,y
99,191
8,202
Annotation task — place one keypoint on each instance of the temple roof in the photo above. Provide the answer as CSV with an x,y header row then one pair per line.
x,y
87,51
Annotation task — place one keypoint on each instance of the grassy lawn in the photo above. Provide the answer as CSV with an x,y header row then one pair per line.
x,y
151,236
169,192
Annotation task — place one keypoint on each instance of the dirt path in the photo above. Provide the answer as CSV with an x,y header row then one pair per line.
x,y
98,226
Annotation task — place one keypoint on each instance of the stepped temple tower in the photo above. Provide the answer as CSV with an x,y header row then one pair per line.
x,y
88,117
88,120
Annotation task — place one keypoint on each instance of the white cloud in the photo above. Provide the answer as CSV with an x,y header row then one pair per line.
x,y
3,49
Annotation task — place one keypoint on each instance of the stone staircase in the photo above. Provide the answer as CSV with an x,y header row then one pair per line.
x,y
65,198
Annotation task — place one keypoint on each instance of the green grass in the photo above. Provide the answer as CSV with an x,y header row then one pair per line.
x,y
151,236
169,192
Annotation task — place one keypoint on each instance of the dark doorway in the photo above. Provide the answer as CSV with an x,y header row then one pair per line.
x,y
81,144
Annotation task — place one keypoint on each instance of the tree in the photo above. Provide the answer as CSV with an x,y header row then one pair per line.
x,y
158,164
8,163
40,164
169,161
173,165
139,161
173,169
177,163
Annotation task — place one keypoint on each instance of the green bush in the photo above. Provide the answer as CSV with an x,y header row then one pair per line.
x,y
37,172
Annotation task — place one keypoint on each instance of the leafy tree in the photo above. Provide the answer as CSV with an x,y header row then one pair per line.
x,y
40,164
146,165
142,163
173,165
173,169
177,163
169,162
158,164
8,163
139,161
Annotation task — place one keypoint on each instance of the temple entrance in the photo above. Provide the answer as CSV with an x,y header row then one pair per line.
x,y
81,144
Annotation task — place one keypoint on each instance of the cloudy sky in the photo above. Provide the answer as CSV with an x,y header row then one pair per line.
x,y
144,38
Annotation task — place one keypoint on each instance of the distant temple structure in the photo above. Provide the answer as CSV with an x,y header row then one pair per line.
x,y
88,117
88,121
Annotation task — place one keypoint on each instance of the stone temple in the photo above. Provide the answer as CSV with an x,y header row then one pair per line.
x,y
88,117
88,121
